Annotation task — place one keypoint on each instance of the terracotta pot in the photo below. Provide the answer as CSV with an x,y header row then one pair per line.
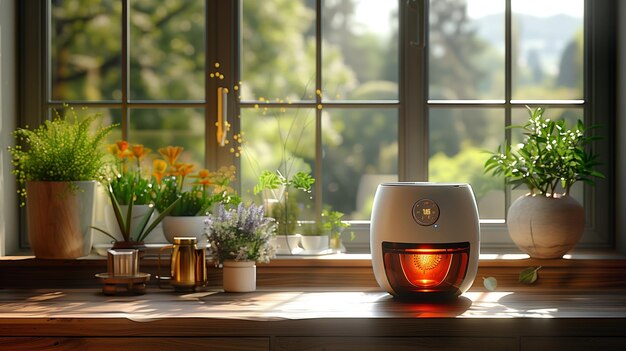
x,y
239,276
546,227
59,216
183,226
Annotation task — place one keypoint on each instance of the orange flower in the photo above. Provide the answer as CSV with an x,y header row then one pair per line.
x,y
203,173
122,145
158,169
184,169
140,151
171,153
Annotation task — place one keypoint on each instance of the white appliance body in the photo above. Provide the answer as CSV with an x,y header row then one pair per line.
x,y
425,239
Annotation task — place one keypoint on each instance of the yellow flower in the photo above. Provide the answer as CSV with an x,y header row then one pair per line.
x,y
158,169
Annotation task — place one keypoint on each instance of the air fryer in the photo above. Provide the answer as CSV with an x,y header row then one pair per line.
x,y
424,239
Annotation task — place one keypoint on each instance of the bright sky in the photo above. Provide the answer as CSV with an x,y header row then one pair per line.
x,y
375,14
540,8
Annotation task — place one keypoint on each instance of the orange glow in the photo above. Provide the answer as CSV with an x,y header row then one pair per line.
x,y
426,268
425,271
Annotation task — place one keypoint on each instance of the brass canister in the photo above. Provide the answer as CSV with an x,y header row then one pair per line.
x,y
188,264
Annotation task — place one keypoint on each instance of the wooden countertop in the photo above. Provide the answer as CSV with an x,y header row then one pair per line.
x,y
326,303
297,304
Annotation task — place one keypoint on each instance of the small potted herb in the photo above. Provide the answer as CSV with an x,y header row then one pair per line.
x,y
281,205
239,237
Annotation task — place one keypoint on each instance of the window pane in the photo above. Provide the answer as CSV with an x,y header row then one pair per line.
x,y
278,49
156,128
167,50
466,56
360,49
548,49
109,116
458,139
360,151
85,50
276,139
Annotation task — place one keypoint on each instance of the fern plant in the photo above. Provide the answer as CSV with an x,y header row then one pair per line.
x,y
61,149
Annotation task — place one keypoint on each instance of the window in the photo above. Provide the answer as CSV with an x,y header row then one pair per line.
x,y
356,92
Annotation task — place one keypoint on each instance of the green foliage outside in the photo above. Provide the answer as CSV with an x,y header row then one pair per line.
x,y
167,58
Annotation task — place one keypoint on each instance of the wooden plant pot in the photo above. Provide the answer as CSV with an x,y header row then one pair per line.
x,y
546,227
59,216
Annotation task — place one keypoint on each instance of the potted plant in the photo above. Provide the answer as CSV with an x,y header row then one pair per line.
x,y
56,166
333,224
239,237
547,222
133,237
314,238
196,199
129,178
283,207
319,236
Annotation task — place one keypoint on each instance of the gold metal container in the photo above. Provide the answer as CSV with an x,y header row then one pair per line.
x,y
187,266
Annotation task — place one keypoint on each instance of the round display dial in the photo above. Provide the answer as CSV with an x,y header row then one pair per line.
x,y
426,212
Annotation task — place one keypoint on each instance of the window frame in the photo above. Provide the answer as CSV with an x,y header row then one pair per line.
x,y
599,106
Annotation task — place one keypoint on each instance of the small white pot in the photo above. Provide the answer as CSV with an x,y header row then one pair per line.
x,y
315,242
287,244
239,276
187,226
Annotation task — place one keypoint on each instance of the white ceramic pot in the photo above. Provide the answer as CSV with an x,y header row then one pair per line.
x,y
239,276
314,242
187,226
546,227
287,244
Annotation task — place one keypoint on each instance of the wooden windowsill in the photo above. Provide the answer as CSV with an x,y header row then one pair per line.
x,y
584,269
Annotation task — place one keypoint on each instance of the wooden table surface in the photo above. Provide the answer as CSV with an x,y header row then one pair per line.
x,y
298,319
305,304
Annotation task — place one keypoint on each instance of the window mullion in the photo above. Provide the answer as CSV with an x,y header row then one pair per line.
x,y
125,63
413,124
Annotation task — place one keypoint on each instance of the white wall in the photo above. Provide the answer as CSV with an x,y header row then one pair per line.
x,y
620,166
8,110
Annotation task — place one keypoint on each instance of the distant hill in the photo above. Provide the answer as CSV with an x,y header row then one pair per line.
x,y
548,35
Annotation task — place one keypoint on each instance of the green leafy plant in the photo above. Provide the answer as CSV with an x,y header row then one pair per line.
x,y
197,199
61,149
241,233
129,177
550,156
286,209
274,180
141,231
332,223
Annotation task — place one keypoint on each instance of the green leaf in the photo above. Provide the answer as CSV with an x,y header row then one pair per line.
x,y
490,283
268,180
302,181
529,275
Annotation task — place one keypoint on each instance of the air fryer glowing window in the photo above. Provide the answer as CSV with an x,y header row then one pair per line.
x,y
426,212
426,268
